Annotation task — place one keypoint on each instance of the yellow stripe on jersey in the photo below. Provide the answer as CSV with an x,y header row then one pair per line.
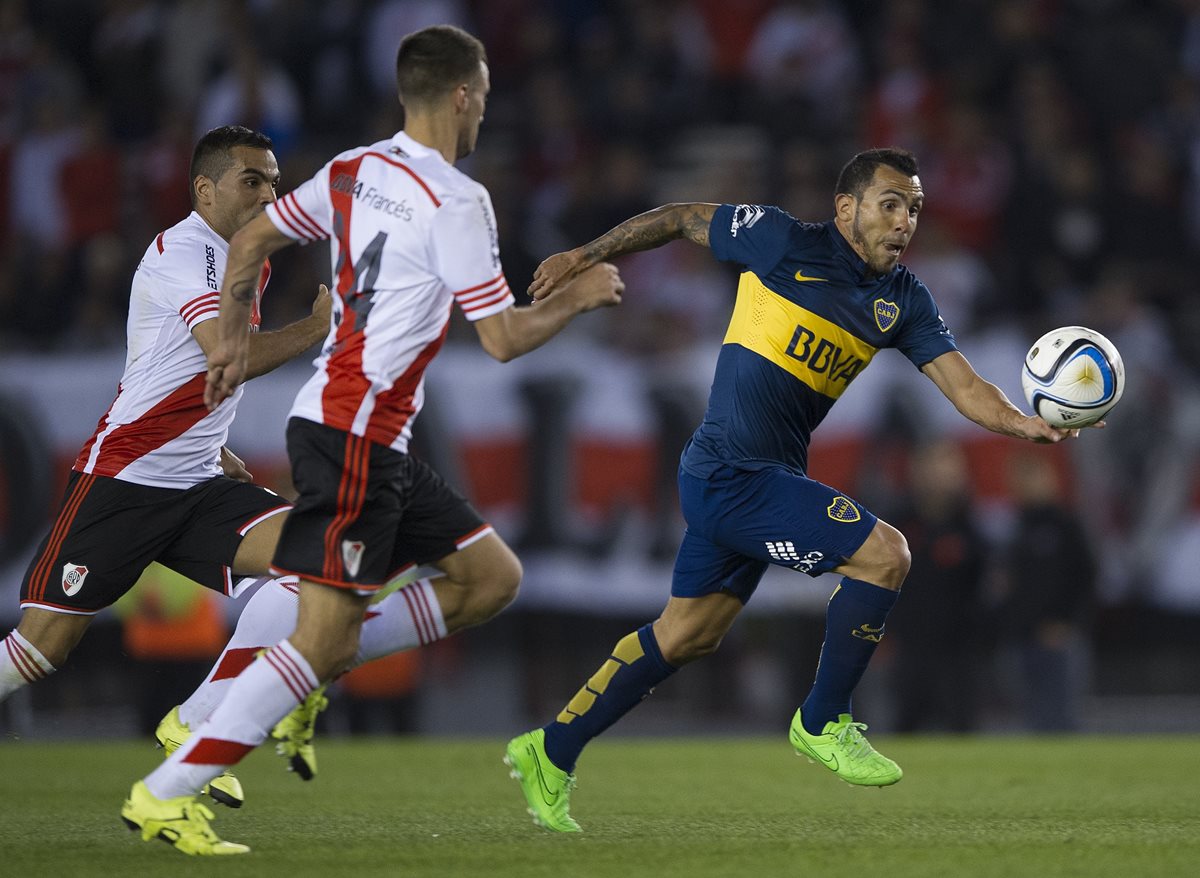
x,y
822,354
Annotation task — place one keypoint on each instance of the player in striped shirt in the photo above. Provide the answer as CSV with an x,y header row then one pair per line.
x,y
155,481
410,238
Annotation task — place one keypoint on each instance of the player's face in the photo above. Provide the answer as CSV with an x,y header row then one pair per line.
x,y
477,92
885,218
246,188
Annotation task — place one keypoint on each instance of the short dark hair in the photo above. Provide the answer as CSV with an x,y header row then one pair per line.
x,y
213,155
432,61
858,173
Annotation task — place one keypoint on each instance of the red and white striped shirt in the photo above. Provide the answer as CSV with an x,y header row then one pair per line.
x,y
157,431
409,236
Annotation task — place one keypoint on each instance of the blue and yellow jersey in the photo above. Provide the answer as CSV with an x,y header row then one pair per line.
x,y
807,321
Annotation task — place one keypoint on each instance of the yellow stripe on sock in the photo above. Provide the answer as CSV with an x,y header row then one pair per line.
x,y
629,649
582,702
600,680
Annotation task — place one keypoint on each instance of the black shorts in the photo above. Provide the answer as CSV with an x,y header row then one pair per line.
x,y
364,512
108,531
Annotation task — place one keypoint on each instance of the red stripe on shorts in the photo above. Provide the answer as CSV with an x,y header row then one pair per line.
x,y
41,573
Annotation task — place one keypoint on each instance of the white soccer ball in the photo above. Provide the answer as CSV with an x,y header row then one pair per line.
x,y
1072,376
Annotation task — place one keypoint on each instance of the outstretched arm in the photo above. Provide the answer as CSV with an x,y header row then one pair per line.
x,y
985,403
267,351
642,232
270,350
516,331
227,362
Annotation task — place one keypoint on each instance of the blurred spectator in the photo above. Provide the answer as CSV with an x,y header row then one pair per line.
x,y
904,101
36,304
192,35
937,630
727,28
805,63
126,46
255,92
804,175
90,183
16,55
1139,465
1149,183
163,183
967,174
959,276
391,18
1046,594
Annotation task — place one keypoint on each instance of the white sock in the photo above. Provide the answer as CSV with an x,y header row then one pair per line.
x,y
20,663
260,697
406,618
268,617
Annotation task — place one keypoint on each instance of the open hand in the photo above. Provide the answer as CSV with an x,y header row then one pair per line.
x,y
554,272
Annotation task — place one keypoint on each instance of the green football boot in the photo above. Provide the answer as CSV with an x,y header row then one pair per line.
x,y
842,749
547,787
181,822
294,734
225,788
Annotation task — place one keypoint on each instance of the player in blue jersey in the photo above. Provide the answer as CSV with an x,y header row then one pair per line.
x,y
815,303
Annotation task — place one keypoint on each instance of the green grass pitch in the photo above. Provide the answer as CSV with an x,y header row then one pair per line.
x,y
971,807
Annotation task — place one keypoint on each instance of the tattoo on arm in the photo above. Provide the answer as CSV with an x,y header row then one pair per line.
x,y
242,291
653,229
696,220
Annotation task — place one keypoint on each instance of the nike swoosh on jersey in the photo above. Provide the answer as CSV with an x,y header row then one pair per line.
x,y
802,277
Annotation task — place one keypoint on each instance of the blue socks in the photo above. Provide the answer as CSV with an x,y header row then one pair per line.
x,y
853,628
632,671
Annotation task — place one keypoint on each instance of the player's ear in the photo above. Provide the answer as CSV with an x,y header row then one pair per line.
x,y
462,96
202,189
845,205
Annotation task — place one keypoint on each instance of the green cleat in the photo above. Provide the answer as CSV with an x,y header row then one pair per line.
x,y
547,787
181,823
295,733
842,749
171,733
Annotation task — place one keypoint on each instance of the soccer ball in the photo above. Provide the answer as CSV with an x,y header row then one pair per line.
x,y
1072,376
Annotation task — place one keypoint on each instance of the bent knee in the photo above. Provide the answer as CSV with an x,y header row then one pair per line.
x,y
900,560
488,594
884,559
500,589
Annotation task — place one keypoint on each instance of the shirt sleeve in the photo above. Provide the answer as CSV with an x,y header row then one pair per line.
x,y
466,254
752,235
187,278
923,335
305,213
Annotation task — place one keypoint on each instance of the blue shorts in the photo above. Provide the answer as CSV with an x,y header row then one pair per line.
x,y
739,521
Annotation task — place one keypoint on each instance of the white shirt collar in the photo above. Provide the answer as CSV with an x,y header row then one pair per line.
x,y
418,150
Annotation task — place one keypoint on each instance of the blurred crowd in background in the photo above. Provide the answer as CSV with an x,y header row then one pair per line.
x,y
1059,143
